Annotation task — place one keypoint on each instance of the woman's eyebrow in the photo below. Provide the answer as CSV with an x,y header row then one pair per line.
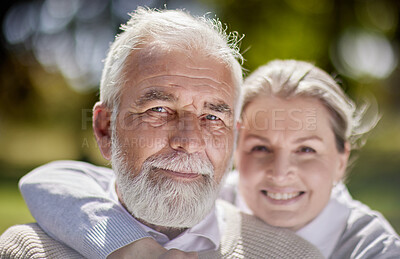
x,y
152,95
313,137
261,138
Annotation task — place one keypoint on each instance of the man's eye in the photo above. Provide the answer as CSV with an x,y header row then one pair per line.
x,y
307,150
211,117
158,109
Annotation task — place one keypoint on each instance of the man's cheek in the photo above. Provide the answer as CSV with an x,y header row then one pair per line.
x,y
222,143
134,143
142,121
220,150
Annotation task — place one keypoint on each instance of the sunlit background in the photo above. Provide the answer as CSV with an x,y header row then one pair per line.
x,y
51,59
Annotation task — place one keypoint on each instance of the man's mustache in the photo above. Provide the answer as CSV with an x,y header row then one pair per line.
x,y
181,162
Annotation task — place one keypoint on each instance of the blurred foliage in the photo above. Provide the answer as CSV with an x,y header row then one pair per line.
x,y
51,51
13,208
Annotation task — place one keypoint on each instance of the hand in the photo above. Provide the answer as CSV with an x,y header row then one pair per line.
x,y
148,248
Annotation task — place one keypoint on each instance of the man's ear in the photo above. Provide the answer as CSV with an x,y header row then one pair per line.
x,y
344,158
102,128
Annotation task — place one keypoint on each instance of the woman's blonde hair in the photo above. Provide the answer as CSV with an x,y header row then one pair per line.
x,y
292,78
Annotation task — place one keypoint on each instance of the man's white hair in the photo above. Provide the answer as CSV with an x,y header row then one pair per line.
x,y
169,30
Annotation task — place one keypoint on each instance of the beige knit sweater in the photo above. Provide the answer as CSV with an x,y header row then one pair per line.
x,y
244,237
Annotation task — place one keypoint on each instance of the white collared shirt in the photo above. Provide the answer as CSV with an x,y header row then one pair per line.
x,y
325,230
203,236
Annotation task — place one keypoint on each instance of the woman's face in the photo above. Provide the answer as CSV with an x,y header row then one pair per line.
x,y
287,159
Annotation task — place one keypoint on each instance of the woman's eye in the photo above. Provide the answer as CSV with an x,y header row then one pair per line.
x,y
158,109
307,150
260,149
211,117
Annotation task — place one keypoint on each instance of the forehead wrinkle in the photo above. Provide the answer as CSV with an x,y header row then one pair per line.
x,y
215,88
183,80
214,84
182,76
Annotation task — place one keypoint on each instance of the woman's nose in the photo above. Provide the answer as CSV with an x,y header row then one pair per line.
x,y
281,167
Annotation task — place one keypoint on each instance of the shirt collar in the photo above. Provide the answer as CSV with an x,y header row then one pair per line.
x,y
325,230
241,204
203,236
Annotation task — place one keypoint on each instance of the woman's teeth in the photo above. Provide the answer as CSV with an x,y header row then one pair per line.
x,y
282,196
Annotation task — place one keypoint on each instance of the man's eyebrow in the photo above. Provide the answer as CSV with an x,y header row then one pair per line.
x,y
221,107
153,94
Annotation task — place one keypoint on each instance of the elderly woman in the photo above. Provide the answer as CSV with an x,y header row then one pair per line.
x,y
298,128
295,136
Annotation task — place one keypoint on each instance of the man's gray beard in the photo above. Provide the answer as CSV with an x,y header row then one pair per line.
x,y
158,199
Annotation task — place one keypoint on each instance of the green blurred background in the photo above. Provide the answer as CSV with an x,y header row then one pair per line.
x,y
51,59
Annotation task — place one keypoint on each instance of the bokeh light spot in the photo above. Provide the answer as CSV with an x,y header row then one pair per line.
x,y
364,55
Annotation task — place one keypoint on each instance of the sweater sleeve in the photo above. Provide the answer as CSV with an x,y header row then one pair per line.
x,y
71,201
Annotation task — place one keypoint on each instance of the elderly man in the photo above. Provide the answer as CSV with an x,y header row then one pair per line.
x,y
169,99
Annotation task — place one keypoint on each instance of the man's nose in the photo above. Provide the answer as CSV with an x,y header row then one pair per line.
x,y
188,135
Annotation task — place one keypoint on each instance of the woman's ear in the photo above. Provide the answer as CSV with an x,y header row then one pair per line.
x,y
102,128
343,161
